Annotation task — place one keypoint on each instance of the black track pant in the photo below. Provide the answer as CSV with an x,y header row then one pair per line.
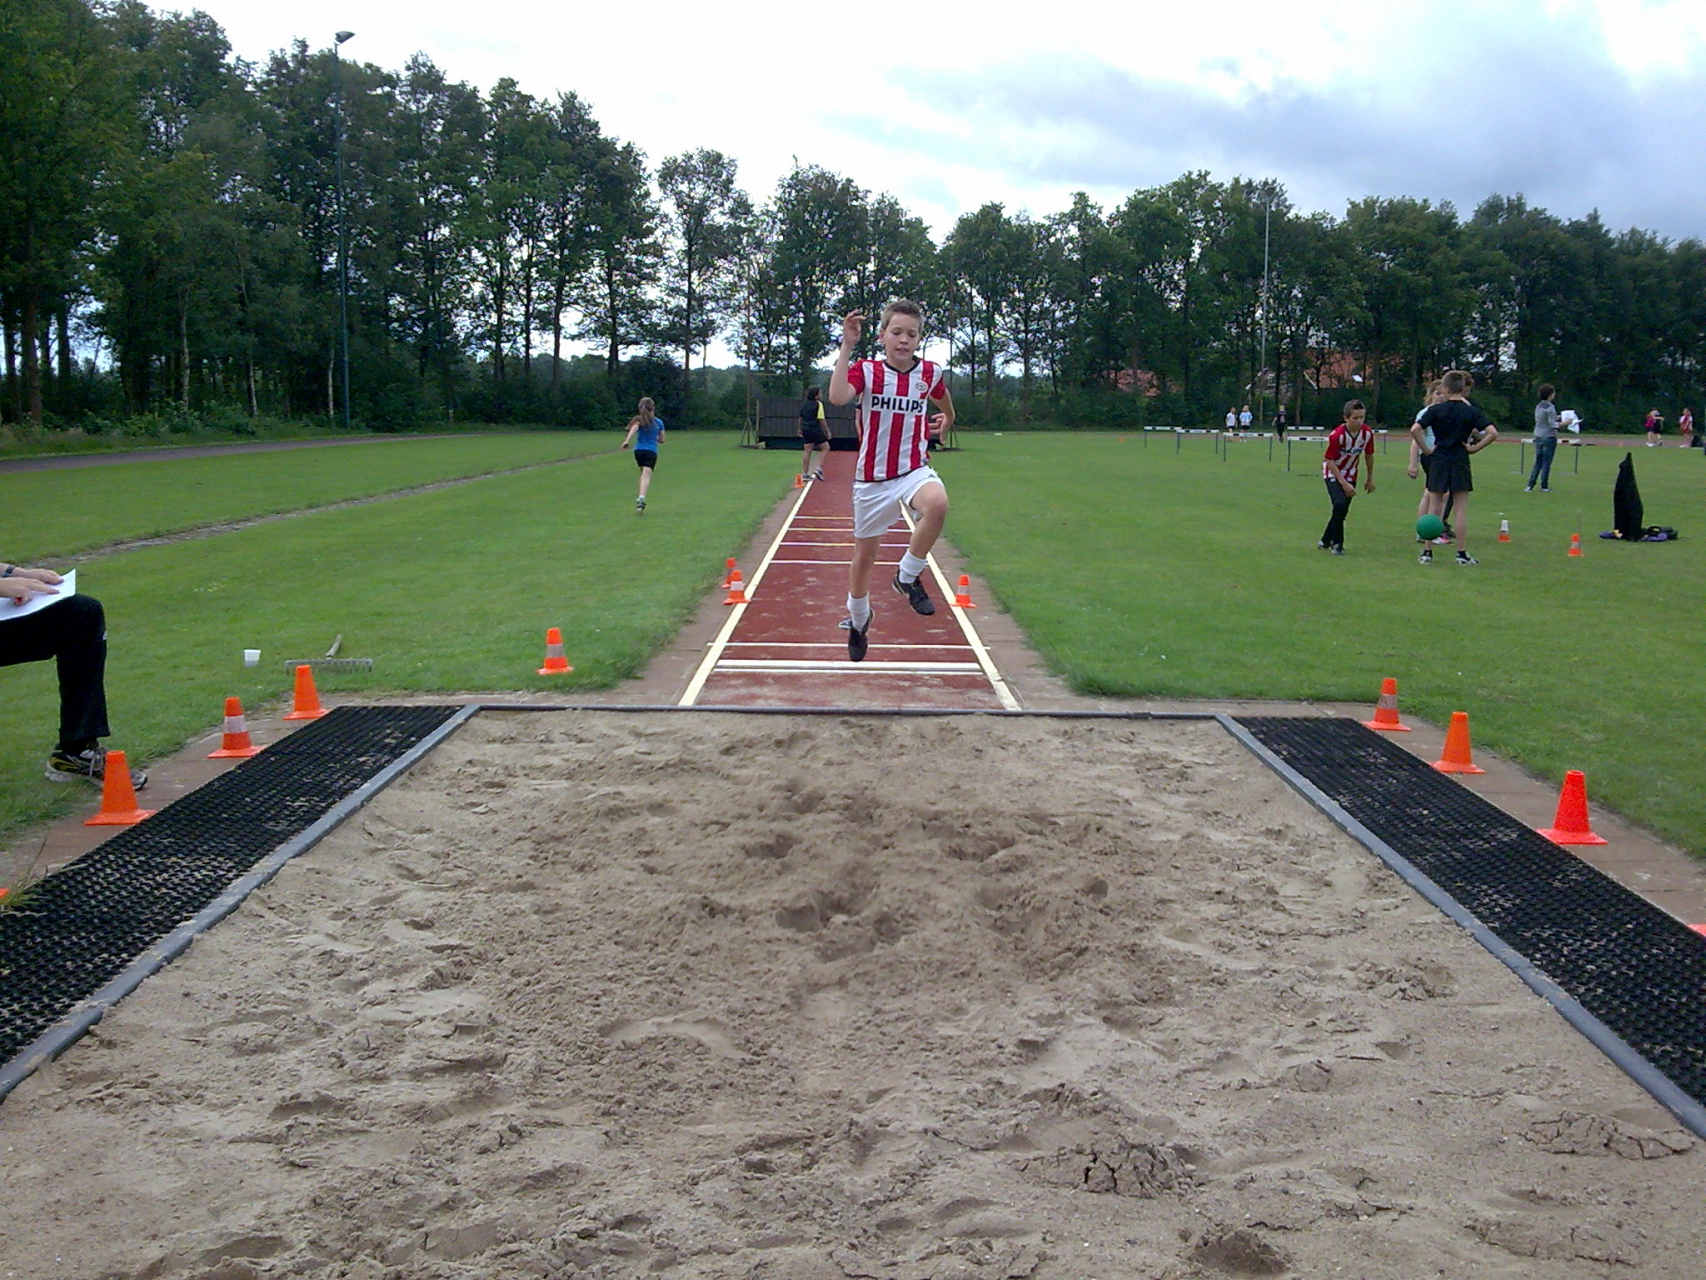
x,y
1334,534
74,634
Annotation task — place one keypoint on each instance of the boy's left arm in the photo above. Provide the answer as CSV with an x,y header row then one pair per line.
x,y
1489,433
1368,461
945,419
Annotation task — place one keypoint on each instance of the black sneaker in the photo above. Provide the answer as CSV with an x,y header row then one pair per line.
x,y
639,506
1427,556
1463,557
86,766
1338,551
915,595
858,638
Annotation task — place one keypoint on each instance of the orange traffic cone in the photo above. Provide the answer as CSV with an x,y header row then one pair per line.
x,y
737,591
729,574
1386,709
1571,824
118,796
962,597
1575,544
556,662
236,744
1456,756
1504,531
799,482
307,706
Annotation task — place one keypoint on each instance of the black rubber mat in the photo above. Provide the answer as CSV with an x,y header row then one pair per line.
x,y
1635,968
85,923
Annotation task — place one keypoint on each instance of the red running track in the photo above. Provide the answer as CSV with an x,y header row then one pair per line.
x,y
784,648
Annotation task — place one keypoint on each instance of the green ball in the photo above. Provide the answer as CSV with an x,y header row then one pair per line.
x,y
1430,527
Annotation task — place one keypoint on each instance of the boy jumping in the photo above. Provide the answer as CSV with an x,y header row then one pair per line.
x,y
891,470
1454,423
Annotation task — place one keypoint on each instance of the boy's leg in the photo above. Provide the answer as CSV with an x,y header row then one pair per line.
x,y
1460,518
858,622
806,458
1334,534
859,568
930,507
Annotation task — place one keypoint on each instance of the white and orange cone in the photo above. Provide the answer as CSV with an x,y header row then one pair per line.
x,y
1386,709
556,661
236,743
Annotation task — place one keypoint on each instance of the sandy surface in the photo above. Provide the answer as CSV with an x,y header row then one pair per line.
x,y
616,995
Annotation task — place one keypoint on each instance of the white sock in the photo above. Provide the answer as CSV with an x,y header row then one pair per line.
x,y
912,567
859,609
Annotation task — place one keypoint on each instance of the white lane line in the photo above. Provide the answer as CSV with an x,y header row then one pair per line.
x,y
832,664
715,652
825,644
787,560
996,679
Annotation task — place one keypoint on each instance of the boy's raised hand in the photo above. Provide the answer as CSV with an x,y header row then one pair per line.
x,y
852,326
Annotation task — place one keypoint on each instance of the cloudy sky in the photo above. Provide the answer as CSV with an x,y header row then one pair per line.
x,y
1577,104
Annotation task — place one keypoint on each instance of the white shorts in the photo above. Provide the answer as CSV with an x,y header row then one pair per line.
x,y
877,503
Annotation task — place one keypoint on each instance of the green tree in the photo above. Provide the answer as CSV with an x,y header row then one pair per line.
x,y
707,221
817,224
61,117
622,253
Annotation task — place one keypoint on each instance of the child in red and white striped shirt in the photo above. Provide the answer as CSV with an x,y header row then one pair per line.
x,y
896,395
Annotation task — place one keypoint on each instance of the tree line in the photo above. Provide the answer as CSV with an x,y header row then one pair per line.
x,y
177,209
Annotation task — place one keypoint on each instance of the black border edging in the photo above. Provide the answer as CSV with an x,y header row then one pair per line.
x,y
1663,1089
64,1033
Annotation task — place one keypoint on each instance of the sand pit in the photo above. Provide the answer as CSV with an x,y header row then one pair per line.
x,y
619,995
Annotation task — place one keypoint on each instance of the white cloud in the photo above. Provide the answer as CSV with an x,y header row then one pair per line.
x,y
1575,102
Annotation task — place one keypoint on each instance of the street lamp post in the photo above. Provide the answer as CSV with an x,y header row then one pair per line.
x,y
343,235
1267,224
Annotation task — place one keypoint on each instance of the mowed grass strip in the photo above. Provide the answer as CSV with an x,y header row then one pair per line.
x,y
1141,571
65,511
448,592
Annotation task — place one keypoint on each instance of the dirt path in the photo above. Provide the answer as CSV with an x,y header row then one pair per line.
x,y
169,453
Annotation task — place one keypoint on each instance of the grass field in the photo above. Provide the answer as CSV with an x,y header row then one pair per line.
x,y
62,512
448,591
1135,569
1138,570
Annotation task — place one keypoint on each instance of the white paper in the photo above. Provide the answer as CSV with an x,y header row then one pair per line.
x,y
10,609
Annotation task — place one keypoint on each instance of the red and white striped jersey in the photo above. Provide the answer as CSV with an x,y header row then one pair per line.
x,y
894,409
1347,449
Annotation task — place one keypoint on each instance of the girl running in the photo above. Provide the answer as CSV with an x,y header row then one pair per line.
x,y
645,433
